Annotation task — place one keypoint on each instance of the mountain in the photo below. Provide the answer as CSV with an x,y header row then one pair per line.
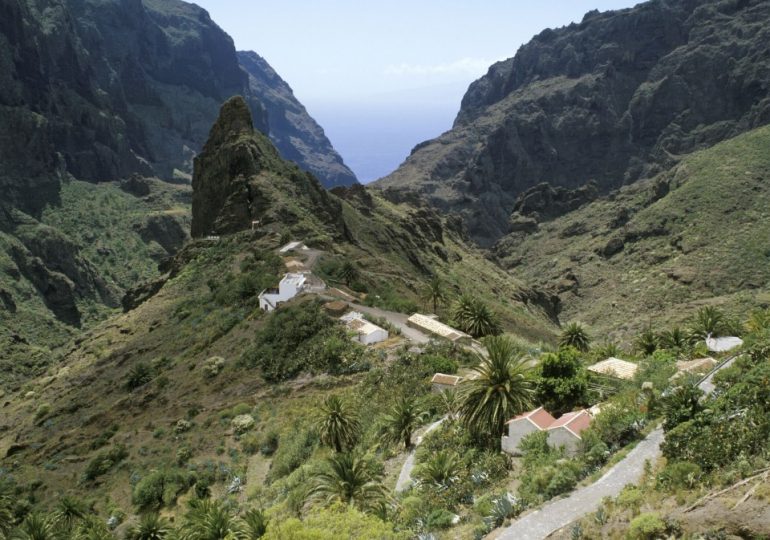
x,y
99,100
620,96
297,136
690,237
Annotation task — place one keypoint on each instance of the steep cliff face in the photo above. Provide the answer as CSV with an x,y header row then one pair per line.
x,y
239,177
297,136
618,97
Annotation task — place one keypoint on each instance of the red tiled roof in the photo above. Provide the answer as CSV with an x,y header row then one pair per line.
x,y
540,417
574,421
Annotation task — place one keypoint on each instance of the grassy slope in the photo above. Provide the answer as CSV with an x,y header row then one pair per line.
x,y
705,242
102,221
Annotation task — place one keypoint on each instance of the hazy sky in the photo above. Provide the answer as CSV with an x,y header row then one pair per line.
x,y
381,77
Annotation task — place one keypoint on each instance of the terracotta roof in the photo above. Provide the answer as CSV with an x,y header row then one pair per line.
x,y
574,421
615,367
449,380
540,417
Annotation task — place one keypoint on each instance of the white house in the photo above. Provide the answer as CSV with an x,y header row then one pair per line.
x,y
289,287
566,430
562,432
522,425
366,333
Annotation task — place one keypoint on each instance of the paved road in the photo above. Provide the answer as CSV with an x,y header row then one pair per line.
x,y
559,513
405,476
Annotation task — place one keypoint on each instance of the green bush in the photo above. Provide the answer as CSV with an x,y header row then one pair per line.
x,y
160,488
104,461
295,448
679,475
647,527
439,364
631,498
562,381
268,443
139,375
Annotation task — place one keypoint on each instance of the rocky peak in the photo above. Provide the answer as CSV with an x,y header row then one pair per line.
x,y
234,121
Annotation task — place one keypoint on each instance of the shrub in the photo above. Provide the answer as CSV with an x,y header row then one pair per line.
x,y
268,444
618,423
439,519
439,364
104,461
647,527
296,447
213,367
562,382
160,488
42,411
681,474
139,375
631,498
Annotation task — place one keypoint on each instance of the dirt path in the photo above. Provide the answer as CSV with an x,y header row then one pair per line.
x,y
561,512
405,476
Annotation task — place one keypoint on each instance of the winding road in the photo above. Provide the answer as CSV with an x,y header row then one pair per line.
x,y
405,476
561,512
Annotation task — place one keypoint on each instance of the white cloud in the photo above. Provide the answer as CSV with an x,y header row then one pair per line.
x,y
463,66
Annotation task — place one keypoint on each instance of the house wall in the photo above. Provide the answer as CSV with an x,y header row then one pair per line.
x,y
563,437
374,337
516,432
286,291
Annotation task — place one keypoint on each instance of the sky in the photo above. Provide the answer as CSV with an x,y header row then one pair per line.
x,y
381,77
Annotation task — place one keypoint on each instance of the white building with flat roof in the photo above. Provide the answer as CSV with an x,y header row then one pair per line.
x,y
289,287
433,326
366,333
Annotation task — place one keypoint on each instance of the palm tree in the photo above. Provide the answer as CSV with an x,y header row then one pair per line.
x,y
339,426
450,403
472,316
708,320
256,523
36,527
209,520
504,387
575,336
348,273
758,321
441,469
349,480
68,512
6,510
675,339
435,293
647,341
92,528
404,417
150,527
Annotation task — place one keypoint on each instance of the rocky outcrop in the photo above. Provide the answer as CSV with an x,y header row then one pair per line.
x,y
239,177
614,98
296,135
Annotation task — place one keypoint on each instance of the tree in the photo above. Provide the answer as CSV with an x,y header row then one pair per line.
x,y
68,513
647,342
404,417
150,527
435,293
256,522
209,520
675,339
708,320
504,388
348,273
472,316
440,469
348,479
339,426
575,336
562,382
36,527
681,405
